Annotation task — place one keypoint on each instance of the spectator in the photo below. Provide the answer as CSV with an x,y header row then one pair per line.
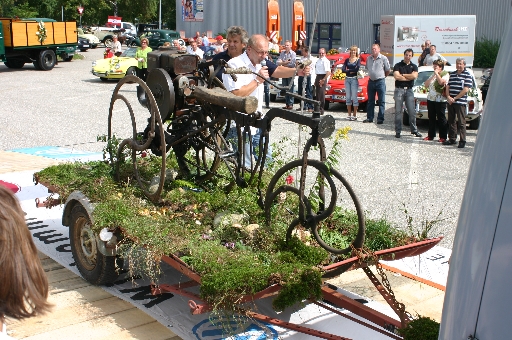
x,y
142,57
350,68
323,73
436,101
305,56
405,72
116,46
300,45
205,40
287,58
425,50
458,86
378,69
218,41
24,286
433,55
236,42
196,50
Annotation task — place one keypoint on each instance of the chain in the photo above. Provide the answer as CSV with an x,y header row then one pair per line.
x,y
366,257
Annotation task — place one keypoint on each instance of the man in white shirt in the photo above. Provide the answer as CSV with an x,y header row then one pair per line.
x,y
116,46
206,42
432,56
323,73
252,85
194,49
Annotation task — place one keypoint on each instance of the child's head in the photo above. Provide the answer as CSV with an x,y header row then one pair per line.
x,y
23,283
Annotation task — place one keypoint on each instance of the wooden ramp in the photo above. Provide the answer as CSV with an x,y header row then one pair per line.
x,y
83,311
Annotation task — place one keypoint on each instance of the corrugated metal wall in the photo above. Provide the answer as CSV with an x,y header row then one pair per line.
x,y
356,17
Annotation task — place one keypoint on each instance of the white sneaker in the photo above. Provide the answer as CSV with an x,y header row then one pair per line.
x,y
348,118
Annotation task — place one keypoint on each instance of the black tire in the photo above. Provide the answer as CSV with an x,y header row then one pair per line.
x,y
36,65
108,41
46,60
70,58
84,50
14,63
94,46
405,118
363,106
95,267
326,105
103,79
273,97
131,71
475,124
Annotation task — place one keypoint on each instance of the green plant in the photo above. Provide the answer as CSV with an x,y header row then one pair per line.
x,y
421,328
486,52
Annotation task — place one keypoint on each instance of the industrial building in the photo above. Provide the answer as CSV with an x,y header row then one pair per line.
x,y
339,22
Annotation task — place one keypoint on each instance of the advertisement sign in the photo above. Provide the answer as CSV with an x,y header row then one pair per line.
x,y
114,21
192,10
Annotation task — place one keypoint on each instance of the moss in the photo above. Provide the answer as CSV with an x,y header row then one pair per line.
x,y
231,261
421,328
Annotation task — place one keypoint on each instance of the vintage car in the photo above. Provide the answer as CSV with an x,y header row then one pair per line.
x,y
116,67
83,44
474,107
93,40
335,89
158,38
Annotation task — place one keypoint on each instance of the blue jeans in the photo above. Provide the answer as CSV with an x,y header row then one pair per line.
x,y
308,90
232,138
288,99
407,96
376,87
351,86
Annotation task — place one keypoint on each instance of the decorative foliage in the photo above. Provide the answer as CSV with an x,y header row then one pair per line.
x,y
421,89
41,32
333,51
421,328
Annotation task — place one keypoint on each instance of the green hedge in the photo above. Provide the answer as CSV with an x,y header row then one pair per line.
x,y
486,51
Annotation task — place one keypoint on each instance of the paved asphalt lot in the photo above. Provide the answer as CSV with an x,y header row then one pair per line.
x,y
68,106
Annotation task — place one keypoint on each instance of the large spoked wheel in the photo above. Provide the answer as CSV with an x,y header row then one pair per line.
x,y
95,267
198,155
134,105
324,189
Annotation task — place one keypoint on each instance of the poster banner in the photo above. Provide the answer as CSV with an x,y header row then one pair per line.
x,y
192,10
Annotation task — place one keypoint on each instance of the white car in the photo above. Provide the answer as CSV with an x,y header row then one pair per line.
x,y
475,103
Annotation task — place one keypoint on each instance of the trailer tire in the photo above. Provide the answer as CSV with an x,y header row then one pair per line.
x,y
14,63
46,60
70,58
95,267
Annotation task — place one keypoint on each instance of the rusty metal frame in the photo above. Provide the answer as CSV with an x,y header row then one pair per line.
x,y
385,324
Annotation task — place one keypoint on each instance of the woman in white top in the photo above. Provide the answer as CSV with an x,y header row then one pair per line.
x,y
436,101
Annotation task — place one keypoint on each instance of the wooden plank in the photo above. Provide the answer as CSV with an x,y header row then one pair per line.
x,y
153,331
71,32
59,32
19,34
32,37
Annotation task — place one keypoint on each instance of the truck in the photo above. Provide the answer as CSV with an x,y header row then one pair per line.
x,y
453,35
36,41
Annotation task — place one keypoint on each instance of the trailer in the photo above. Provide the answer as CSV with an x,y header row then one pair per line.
x,y
36,41
182,107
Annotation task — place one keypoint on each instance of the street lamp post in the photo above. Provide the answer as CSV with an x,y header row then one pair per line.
x,y
160,16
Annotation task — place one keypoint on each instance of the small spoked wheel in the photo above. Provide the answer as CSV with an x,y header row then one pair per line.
x,y
136,133
307,209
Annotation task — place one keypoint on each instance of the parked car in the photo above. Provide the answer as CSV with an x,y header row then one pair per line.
x,y
93,40
474,107
116,67
486,79
335,90
83,44
157,38
339,58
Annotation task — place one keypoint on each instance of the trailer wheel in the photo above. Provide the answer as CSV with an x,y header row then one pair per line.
x,y
70,58
46,60
95,267
14,63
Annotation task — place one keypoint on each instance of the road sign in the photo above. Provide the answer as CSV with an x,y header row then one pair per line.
x,y
80,10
